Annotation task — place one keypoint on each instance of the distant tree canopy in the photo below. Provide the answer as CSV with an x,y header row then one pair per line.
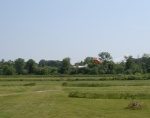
x,y
105,56
19,65
65,66
53,67
51,63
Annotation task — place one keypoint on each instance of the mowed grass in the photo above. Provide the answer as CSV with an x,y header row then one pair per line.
x,y
49,99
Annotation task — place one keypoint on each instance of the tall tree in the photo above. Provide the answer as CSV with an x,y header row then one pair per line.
x,y
146,63
130,65
30,66
105,56
120,67
65,66
8,68
51,63
19,65
111,68
129,62
1,66
42,63
88,60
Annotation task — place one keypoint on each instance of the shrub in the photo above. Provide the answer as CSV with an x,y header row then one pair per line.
x,y
73,94
29,84
135,105
64,84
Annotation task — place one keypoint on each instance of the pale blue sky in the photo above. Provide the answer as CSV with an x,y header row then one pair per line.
x,y
55,29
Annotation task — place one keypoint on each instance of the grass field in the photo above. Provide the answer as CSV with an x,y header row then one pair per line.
x,y
49,99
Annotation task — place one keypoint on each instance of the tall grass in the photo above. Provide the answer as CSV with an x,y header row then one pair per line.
x,y
25,84
61,77
102,84
94,95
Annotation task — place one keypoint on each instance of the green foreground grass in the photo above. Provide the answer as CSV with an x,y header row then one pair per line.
x,y
49,99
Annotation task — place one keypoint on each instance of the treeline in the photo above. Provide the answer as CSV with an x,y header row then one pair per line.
x,y
54,67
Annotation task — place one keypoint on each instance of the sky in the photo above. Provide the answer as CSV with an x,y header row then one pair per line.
x,y
56,29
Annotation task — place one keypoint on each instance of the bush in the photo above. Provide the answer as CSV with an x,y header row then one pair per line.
x,y
29,84
73,94
64,84
135,105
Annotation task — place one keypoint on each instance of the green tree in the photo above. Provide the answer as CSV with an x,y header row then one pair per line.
x,y
19,65
129,62
94,71
88,60
8,68
103,68
51,63
111,68
1,66
65,66
42,70
120,68
30,66
54,70
130,65
146,63
42,63
45,70
105,56
144,68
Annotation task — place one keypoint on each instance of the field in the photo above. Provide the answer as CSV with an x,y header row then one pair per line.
x,y
73,99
